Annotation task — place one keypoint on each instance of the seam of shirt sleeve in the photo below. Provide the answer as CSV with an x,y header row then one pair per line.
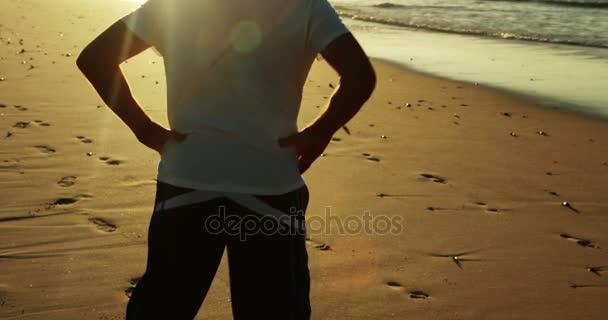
x,y
330,37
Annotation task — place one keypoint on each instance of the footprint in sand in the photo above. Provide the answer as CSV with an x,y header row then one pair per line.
x,y
418,294
42,123
581,242
489,209
21,124
64,201
433,178
67,181
2,106
45,148
110,161
9,163
68,201
103,224
84,139
369,157
389,195
493,210
20,108
413,294
597,270
431,208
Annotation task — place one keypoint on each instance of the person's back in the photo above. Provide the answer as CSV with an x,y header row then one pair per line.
x,y
235,74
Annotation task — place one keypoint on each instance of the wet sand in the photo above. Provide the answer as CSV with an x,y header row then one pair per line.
x,y
501,203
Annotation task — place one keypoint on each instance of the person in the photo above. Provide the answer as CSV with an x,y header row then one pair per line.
x,y
231,166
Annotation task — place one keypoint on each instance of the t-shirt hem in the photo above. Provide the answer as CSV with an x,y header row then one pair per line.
x,y
231,188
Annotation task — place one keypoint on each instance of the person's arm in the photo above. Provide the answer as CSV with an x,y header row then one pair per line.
x,y
357,82
100,63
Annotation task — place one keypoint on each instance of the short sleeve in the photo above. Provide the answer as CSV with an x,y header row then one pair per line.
x,y
324,25
145,22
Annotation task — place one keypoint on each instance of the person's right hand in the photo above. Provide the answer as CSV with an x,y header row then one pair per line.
x,y
309,145
154,136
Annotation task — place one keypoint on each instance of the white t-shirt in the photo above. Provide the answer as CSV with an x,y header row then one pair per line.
x,y
235,74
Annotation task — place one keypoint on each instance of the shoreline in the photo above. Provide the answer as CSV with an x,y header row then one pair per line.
x,y
567,108
520,67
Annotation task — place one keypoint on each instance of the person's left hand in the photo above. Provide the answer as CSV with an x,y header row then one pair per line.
x,y
154,136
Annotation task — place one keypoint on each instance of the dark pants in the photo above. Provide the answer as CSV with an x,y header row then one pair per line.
x,y
267,257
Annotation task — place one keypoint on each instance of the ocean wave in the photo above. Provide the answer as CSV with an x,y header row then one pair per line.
x,y
502,35
580,4
388,5
391,5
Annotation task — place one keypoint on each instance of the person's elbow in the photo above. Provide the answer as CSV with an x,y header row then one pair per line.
x,y
86,61
362,82
369,81
91,62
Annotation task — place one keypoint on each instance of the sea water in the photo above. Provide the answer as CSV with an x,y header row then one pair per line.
x,y
555,50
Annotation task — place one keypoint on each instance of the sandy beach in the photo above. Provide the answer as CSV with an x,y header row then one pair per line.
x,y
502,203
